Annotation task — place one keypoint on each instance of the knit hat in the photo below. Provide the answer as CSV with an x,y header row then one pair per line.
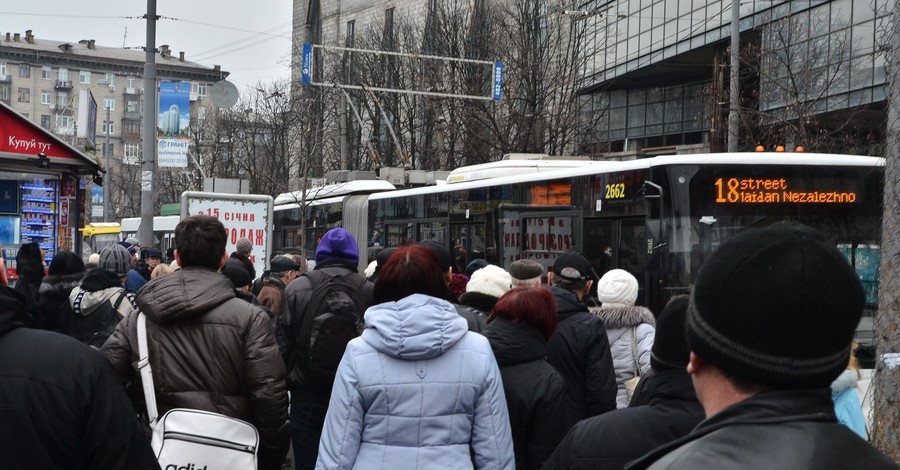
x,y
457,284
572,267
65,262
235,271
337,243
128,246
115,259
94,258
776,306
617,288
525,269
490,280
154,253
475,265
670,349
443,254
243,246
133,241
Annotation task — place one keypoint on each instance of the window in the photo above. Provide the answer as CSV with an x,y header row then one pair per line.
x,y
45,121
109,103
132,153
63,75
201,89
109,127
110,79
351,33
65,124
46,73
131,105
62,100
2,68
24,71
130,81
4,92
45,97
84,77
132,127
24,95
112,150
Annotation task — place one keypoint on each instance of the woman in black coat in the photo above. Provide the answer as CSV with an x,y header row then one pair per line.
x,y
64,274
518,329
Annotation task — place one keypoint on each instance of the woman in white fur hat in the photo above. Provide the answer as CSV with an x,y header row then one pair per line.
x,y
630,328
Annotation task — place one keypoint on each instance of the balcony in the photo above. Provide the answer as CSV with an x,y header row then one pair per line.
x,y
63,84
5,77
131,136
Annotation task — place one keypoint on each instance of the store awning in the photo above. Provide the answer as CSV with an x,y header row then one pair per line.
x,y
22,140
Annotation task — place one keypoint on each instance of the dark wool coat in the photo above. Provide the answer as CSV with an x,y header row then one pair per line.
x,y
63,407
793,429
209,351
609,441
53,300
535,392
580,352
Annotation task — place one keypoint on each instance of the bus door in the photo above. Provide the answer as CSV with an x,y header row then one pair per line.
x,y
469,242
616,244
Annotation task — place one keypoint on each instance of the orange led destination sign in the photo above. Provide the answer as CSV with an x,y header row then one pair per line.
x,y
776,191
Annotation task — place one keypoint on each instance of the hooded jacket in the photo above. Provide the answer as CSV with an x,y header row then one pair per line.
x,y
793,429
535,392
620,322
96,307
209,351
53,300
611,440
847,407
416,390
62,406
580,352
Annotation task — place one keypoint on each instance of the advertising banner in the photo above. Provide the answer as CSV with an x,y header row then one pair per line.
x,y
172,124
243,215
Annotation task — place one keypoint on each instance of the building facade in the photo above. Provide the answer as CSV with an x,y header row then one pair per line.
x,y
812,74
53,82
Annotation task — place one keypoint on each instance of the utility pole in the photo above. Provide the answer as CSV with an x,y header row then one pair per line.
x,y
145,233
886,376
106,153
734,101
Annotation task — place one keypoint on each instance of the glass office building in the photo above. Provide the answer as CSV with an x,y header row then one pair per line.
x,y
657,73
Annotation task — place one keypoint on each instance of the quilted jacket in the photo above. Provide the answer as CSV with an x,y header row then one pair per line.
x,y
417,391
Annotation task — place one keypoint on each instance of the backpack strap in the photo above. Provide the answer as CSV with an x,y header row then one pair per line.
x,y
144,368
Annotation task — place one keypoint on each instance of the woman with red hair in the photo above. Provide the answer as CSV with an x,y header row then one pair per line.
x,y
416,389
518,328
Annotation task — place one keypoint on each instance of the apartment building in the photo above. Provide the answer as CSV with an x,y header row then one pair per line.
x,y
46,80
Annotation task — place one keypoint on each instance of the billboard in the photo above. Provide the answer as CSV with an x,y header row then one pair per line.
x,y
243,215
172,124
87,117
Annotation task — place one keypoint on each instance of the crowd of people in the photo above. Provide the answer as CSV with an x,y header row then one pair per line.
x,y
418,363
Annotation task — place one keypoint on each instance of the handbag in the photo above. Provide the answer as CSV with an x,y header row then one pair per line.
x,y
186,438
631,383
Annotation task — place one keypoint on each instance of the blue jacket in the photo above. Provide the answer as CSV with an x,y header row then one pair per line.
x,y
415,391
847,407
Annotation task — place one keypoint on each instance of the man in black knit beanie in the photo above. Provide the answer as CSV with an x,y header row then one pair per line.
x,y
770,324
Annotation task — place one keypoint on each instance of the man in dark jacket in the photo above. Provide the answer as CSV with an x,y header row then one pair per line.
x,y
336,255
208,349
580,348
770,326
62,405
609,441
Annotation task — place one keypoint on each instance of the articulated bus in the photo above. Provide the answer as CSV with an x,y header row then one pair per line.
x,y
163,230
658,218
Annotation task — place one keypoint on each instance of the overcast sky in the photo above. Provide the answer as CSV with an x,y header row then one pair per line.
x,y
248,38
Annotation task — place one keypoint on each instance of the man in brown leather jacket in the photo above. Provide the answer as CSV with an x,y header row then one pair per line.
x,y
209,350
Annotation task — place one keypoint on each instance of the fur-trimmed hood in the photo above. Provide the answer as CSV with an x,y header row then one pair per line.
x,y
60,284
623,317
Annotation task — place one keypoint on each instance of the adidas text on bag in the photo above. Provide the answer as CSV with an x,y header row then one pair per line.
x,y
337,307
194,439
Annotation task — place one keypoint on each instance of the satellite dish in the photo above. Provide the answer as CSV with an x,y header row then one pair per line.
x,y
223,94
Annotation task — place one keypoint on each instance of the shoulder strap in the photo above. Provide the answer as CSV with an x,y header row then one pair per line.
x,y
634,353
144,367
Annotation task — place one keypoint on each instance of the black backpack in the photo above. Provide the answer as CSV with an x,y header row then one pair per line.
x,y
95,328
336,307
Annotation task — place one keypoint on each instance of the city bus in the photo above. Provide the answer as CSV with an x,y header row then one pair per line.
x,y
659,218
97,236
163,230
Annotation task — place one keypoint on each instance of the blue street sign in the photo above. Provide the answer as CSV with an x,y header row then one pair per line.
x,y
306,70
498,80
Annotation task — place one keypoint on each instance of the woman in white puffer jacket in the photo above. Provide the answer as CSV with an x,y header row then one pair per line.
x,y
626,325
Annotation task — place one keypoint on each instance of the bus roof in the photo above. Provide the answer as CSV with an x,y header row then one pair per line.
x,y
335,189
101,227
510,168
165,223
